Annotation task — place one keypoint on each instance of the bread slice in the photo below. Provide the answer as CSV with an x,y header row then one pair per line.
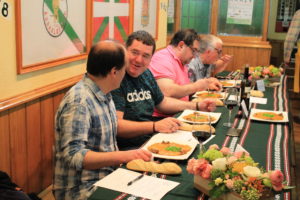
x,y
218,102
196,127
162,168
256,93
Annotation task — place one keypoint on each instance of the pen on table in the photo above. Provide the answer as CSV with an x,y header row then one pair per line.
x,y
134,180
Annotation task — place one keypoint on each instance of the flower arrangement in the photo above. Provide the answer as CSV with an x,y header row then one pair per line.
x,y
235,172
265,72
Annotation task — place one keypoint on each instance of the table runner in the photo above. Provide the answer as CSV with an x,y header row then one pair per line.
x,y
268,144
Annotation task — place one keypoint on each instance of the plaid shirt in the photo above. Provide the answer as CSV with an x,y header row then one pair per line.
x,y
291,37
198,70
85,121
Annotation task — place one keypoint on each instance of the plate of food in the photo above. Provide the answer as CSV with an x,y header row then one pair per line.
x,y
199,117
229,83
210,94
171,146
268,115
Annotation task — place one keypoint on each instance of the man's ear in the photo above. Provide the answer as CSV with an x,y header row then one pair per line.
x,y
181,44
113,71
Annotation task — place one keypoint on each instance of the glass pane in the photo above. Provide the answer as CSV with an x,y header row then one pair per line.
x,y
241,25
171,16
196,14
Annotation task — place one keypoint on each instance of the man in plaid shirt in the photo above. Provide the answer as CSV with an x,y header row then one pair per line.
x,y
86,126
291,37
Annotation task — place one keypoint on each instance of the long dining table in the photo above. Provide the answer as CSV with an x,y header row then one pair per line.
x,y
270,144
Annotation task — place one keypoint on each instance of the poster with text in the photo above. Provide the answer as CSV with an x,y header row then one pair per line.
x,y
240,12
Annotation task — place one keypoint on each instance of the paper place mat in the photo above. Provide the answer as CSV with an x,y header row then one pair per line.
x,y
147,187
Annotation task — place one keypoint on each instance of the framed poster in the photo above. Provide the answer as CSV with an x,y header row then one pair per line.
x,y
111,20
144,17
50,33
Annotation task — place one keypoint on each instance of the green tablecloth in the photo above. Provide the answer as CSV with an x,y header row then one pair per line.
x,y
268,144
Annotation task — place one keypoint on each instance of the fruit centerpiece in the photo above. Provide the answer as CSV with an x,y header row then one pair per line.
x,y
219,173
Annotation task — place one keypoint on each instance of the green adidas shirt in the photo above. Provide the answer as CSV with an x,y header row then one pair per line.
x,y
137,98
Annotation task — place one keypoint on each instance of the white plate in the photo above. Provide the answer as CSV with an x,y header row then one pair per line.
x,y
200,92
187,112
180,137
233,82
285,115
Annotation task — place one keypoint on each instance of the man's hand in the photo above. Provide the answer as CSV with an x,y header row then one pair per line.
x,y
167,125
226,58
214,84
137,154
207,105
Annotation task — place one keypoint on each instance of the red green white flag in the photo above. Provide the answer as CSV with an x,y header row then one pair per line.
x,y
110,20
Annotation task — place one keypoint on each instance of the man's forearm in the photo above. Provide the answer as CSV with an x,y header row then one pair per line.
x,y
130,129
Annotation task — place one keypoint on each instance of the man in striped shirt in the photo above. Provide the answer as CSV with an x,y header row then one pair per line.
x,y
86,126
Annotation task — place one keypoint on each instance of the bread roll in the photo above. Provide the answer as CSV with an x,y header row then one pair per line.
x,y
162,168
218,102
256,93
197,127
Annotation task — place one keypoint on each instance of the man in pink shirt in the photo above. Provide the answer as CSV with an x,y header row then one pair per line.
x,y
169,67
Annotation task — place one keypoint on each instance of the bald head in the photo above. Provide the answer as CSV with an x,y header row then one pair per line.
x,y
104,56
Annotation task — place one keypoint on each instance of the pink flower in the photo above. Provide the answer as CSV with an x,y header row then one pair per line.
x,y
225,151
214,146
229,183
199,167
276,177
190,165
206,172
231,160
240,154
266,71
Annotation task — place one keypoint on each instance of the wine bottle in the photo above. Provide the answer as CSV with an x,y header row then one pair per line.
x,y
247,81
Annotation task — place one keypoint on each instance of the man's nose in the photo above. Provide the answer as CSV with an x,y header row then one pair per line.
x,y
139,58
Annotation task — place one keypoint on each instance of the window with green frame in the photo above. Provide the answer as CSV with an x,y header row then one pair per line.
x,y
196,14
254,29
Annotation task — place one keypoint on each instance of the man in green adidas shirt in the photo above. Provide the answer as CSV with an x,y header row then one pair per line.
x,y
139,94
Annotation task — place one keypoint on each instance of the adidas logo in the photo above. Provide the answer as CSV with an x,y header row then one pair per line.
x,y
141,96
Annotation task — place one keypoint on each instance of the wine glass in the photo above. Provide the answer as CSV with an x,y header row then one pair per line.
x,y
230,102
201,135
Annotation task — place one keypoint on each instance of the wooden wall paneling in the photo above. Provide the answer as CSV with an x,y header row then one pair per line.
x,y
18,144
252,56
57,97
47,139
34,158
262,56
4,143
229,51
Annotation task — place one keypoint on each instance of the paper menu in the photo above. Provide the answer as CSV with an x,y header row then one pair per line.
x,y
258,100
147,187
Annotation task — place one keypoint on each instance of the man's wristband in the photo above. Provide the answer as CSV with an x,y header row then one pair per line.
x,y
153,127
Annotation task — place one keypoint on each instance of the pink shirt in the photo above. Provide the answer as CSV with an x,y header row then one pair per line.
x,y
165,64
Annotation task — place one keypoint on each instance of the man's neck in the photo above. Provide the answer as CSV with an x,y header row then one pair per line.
x,y
103,83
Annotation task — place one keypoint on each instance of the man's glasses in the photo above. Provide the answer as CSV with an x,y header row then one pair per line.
x,y
219,51
195,51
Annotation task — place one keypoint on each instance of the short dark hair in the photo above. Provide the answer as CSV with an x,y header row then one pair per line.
x,y
142,36
104,56
188,36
